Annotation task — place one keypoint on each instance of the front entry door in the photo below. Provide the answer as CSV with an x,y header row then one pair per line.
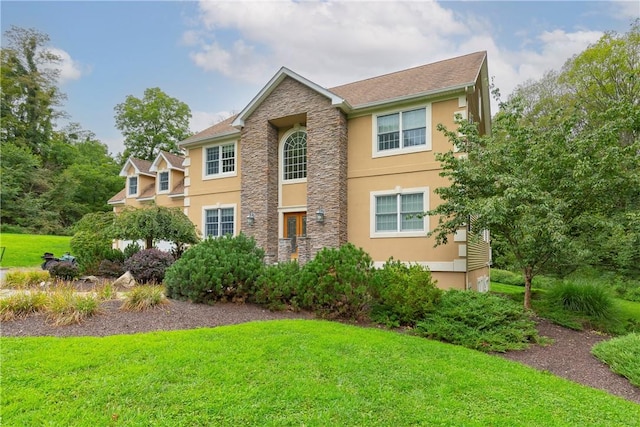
x,y
295,225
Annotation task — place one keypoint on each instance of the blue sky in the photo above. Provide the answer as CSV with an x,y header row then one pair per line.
x,y
216,55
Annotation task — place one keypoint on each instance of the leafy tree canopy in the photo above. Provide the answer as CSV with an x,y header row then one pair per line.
x,y
156,223
151,124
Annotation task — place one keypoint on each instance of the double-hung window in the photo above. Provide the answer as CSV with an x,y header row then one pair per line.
x,y
403,130
399,214
220,160
133,185
218,222
163,181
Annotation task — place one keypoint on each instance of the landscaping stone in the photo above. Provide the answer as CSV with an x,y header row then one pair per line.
x,y
125,281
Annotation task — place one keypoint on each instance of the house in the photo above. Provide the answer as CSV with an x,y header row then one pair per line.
x,y
303,167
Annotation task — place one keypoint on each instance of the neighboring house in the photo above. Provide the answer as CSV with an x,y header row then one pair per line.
x,y
303,167
160,182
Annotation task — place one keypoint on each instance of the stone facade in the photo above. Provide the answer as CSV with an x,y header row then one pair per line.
x,y
326,168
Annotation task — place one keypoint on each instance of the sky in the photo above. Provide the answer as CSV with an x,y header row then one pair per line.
x,y
215,56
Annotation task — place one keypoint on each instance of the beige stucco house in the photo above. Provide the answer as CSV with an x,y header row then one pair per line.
x,y
303,167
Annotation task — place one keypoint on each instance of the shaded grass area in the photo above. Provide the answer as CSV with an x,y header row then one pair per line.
x,y
26,250
622,354
285,373
625,316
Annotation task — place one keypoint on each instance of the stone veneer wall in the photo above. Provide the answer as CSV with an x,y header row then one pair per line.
x,y
326,167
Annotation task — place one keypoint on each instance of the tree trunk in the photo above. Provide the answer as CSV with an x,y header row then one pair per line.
x,y
527,287
149,242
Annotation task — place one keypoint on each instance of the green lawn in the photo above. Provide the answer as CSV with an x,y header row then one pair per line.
x,y
291,372
25,250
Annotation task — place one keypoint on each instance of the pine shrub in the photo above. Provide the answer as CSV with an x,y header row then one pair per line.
x,y
131,249
223,269
276,287
149,265
404,294
336,283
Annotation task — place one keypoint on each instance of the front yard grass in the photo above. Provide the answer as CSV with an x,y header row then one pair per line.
x,y
26,250
292,372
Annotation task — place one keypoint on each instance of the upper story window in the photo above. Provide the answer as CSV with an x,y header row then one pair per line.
x,y
133,185
294,156
402,131
220,160
399,214
163,181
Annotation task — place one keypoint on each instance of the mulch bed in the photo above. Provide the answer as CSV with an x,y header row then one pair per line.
x,y
569,356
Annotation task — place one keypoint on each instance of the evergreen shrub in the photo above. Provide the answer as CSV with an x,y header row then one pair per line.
x,y
131,249
404,294
222,269
479,321
149,265
277,286
109,268
336,283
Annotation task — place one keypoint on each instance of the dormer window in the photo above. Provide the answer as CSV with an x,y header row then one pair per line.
x,y
163,181
133,185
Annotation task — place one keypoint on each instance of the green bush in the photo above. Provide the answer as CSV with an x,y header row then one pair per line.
x,y
584,298
336,283
403,294
64,270
479,321
90,251
109,268
223,269
149,265
622,354
131,249
276,287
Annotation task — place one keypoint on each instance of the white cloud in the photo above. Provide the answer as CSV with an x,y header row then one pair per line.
x,y
200,120
335,42
70,69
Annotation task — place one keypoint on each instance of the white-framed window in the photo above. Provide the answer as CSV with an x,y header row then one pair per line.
x,y
400,132
219,160
399,212
133,185
163,181
218,221
294,155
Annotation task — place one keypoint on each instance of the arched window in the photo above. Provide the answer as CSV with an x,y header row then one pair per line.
x,y
294,156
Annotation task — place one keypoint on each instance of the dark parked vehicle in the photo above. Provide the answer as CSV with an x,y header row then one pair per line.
x,y
50,260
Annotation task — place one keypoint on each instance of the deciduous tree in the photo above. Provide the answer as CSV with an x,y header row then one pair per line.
x,y
155,122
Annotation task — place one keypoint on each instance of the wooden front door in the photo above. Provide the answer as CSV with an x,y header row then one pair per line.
x,y
295,225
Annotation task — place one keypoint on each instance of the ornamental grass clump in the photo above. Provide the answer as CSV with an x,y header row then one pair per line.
x,y
25,279
589,299
622,354
222,269
66,307
143,297
22,304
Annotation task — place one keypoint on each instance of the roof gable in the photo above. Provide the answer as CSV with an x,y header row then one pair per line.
x,y
274,82
172,161
142,167
220,129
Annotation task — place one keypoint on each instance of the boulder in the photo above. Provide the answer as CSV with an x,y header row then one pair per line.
x,y
125,281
